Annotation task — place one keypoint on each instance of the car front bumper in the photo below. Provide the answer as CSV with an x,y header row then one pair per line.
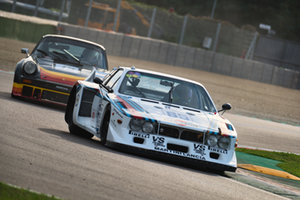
x,y
41,90
203,155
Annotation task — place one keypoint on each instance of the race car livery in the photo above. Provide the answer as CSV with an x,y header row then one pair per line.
x,y
155,112
55,64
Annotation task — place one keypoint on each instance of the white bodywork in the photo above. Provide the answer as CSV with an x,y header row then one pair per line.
x,y
123,108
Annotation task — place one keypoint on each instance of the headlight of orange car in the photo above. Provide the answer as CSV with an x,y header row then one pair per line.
x,y
30,68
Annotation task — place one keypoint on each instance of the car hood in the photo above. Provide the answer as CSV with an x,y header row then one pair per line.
x,y
61,73
174,115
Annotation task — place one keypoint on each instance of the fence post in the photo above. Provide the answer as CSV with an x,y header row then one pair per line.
x,y
117,15
152,22
13,9
37,4
250,52
213,9
61,10
183,29
217,37
88,14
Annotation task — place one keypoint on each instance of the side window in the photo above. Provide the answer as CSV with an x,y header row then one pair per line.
x,y
111,82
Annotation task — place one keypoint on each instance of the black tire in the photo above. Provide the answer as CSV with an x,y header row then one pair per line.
x,y
104,127
74,129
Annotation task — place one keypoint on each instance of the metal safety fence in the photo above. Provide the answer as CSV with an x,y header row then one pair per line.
x,y
133,18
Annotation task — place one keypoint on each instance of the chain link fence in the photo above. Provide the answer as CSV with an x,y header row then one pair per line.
x,y
139,19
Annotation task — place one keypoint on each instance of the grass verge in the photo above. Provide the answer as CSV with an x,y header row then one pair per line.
x,y
289,162
8,192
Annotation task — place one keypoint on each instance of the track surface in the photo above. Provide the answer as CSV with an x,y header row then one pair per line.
x,y
37,152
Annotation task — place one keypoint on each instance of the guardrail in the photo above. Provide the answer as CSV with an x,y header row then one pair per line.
x,y
144,48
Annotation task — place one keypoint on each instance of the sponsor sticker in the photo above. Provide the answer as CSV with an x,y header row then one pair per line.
x,y
165,150
200,149
132,74
158,141
217,150
141,135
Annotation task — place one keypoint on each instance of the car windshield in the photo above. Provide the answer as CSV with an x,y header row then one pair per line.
x,y
73,52
166,89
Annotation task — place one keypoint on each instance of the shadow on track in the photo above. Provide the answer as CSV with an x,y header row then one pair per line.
x,y
164,159
7,96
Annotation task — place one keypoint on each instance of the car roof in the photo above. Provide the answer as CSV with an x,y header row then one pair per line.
x,y
74,38
160,73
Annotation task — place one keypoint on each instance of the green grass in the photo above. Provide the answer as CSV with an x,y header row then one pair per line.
x,y
289,162
8,192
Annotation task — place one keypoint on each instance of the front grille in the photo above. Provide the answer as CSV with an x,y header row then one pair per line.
x,y
27,91
36,93
86,102
53,96
184,134
192,136
168,131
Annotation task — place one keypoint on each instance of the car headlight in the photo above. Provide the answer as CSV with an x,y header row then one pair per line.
x,y
136,124
30,67
212,140
224,142
148,127
141,125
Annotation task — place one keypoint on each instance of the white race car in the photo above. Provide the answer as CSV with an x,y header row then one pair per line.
x,y
156,112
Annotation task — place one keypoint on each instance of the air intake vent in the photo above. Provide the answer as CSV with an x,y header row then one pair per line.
x,y
176,147
192,136
168,131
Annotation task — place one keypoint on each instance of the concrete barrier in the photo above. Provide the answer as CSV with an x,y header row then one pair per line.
x,y
101,38
189,57
246,69
126,45
285,77
221,64
144,50
267,73
117,44
257,71
207,61
173,54
109,42
180,55
237,67
227,65
198,63
83,33
154,51
291,78
163,52
70,30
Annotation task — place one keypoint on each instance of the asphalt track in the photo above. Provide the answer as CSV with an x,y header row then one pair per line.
x,y
38,153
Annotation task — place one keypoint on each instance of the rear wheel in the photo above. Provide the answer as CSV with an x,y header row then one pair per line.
x,y
104,127
74,129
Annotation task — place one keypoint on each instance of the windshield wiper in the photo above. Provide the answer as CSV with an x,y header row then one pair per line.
x,y
64,61
72,56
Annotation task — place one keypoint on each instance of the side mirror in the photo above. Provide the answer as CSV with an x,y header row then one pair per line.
x,y
25,51
225,107
98,80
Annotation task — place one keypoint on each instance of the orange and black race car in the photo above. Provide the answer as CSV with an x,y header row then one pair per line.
x,y
55,64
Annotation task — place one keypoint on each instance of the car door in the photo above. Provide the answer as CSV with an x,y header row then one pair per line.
x,y
100,101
